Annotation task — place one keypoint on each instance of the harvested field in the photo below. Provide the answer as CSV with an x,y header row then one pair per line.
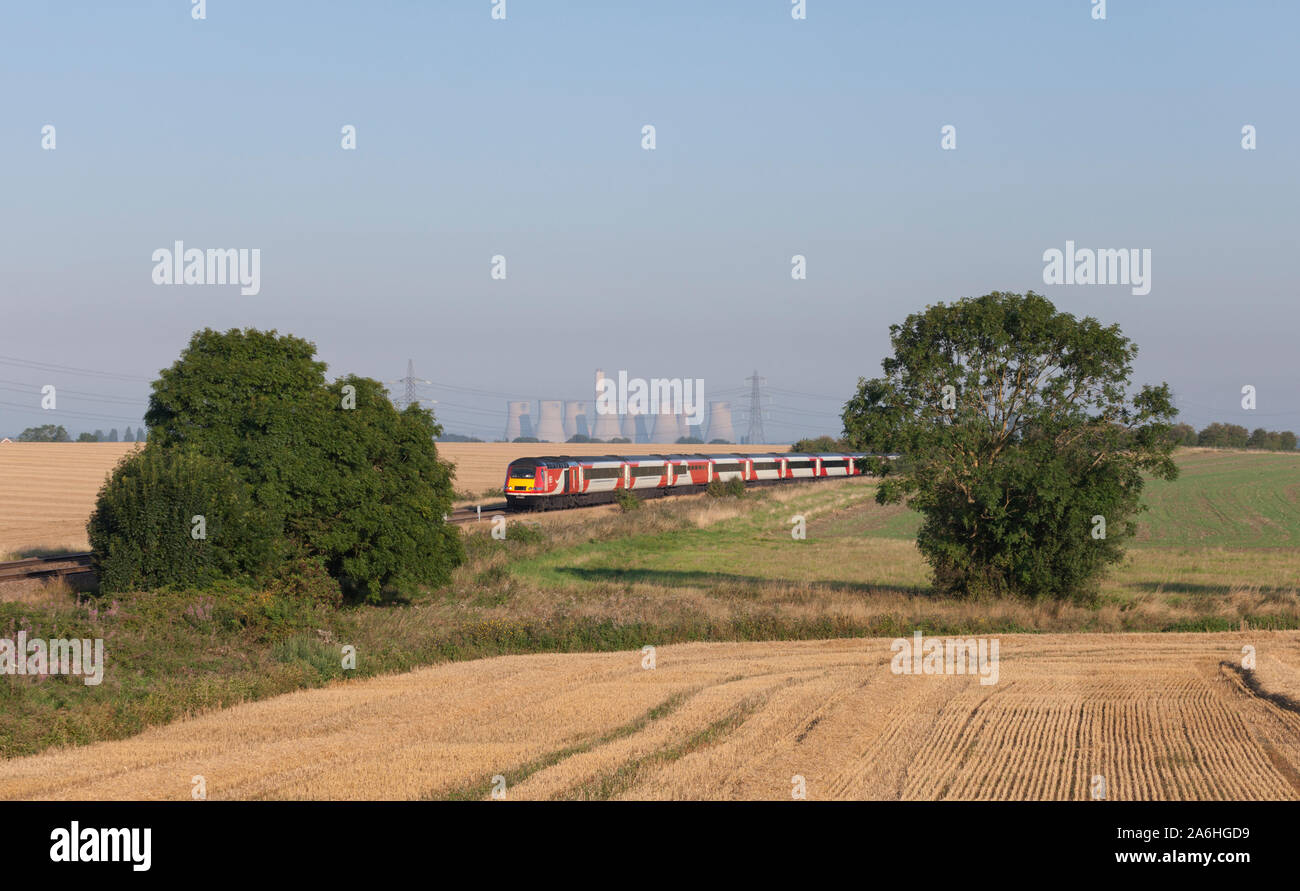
x,y
1159,716
47,490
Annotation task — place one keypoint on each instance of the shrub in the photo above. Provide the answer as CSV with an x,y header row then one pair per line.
x,y
304,578
732,488
627,500
142,529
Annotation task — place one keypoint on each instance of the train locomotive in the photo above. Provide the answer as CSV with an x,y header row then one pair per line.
x,y
572,481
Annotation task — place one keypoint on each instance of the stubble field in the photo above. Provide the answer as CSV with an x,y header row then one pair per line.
x,y
1156,716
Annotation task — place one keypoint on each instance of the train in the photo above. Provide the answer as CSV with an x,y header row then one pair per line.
x,y
565,481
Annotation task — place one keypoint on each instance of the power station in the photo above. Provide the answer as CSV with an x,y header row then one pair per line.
x,y
559,420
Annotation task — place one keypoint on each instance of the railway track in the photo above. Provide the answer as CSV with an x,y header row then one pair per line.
x,y
478,512
45,567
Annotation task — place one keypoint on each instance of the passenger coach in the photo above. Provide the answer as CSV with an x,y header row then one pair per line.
x,y
571,481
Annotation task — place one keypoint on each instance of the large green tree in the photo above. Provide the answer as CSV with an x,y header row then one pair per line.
x,y
343,477
1023,445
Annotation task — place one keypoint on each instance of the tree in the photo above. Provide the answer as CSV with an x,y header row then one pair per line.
x,y
112,435
128,436
86,437
45,433
343,476
820,444
141,435
1183,434
689,440
1021,440
1223,436
99,436
1286,441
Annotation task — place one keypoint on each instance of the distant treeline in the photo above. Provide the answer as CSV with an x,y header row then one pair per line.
x,y
1234,436
1215,436
57,433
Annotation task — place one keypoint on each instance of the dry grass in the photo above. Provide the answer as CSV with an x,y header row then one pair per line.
x,y
1159,716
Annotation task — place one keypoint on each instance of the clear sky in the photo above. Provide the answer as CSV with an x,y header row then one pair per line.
x,y
522,138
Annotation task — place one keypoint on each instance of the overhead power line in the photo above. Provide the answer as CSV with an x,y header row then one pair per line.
x,y
68,369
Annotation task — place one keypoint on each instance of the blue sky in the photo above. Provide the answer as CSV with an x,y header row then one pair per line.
x,y
523,138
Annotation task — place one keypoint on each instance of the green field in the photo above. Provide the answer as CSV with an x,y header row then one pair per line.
x,y
1226,499
1229,526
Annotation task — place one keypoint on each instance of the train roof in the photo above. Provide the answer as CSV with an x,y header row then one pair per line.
x,y
532,461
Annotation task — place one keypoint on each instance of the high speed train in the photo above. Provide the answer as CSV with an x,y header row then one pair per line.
x,y
571,481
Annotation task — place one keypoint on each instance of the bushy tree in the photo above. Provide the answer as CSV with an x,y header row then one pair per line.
x,y
85,437
176,517
344,478
377,517
1183,435
1020,433
45,433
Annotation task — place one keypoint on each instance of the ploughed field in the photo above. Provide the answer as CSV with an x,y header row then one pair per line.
x,y
47,490
1168,716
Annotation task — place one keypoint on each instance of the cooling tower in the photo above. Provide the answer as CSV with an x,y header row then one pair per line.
x,y
575,418
606,426
550,421
720,422
668,427
630,427
517,420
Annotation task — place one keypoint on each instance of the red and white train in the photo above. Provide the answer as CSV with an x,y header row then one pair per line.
x,y
571,481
